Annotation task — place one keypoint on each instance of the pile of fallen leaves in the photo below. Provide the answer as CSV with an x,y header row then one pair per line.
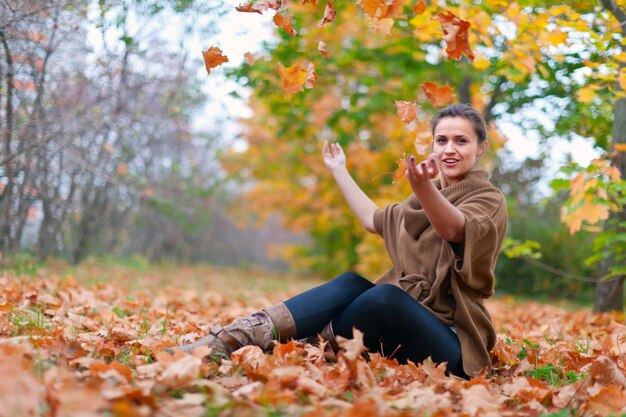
x,y
71,346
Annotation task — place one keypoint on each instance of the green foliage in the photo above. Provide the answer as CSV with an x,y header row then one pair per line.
x,y
514,248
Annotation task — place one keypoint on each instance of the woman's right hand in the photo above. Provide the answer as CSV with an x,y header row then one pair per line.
x,y
334,157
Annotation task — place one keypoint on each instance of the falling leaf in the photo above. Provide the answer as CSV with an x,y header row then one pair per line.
x,y
311,76
249,58
321,48
247,8
284,22
293,78
312,2
455,33
213,57
380,25
419,7
423,142
329,14
400,172
620,147
437,96
122,170
407,110
382,9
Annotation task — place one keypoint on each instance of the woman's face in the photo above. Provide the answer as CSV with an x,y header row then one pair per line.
x,y
456,148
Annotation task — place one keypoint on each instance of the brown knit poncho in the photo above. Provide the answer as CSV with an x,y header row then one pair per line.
x,y
450,279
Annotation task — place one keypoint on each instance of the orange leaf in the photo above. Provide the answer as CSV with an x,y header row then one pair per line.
x,y
620,147
438,96
213,57
312,2
321,48
284,22
293,78
380,25
249,58
455,33
329,14
401,170
407,111
382,9
419,7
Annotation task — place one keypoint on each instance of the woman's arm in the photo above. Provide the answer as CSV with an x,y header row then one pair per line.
x,y
360,204
447,220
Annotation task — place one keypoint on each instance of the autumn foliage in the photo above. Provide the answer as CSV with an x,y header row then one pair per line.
x,y
72,346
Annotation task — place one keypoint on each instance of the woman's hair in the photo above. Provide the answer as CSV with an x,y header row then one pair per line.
x,y
466,112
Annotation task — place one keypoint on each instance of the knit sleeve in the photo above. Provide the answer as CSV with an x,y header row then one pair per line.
x,y
485,227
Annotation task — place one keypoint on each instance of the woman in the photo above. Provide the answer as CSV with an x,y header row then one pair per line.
x,y
443,241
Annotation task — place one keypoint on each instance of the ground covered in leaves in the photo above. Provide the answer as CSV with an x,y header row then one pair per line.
x,y
89,342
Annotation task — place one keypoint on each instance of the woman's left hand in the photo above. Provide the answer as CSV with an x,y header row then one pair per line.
x,y
422,173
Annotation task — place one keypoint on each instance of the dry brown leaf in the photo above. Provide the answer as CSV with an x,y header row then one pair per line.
x,y
213,57
249,58
455,33
284,22
407,110
438,96
329,14
322,49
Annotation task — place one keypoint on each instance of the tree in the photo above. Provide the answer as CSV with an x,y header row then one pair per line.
x,y
559,59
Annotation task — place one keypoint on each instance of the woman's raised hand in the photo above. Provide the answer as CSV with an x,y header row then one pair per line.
x,y
334,157
419,174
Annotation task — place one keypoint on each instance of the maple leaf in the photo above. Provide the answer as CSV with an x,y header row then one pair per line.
x,y
284,22
419,7
437,96
407,110
455,33
400,172
321,48
382,9
213,57
351,349
423,142
295,77
249,58
329,14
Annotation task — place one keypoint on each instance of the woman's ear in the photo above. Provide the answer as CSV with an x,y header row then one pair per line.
x,y
482,148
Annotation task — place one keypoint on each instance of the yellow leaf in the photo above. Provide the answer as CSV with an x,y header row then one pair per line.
x,y
586,94
557,37
380,25
481,63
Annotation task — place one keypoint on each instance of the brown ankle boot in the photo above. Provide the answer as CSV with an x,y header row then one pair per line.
x,y
260,329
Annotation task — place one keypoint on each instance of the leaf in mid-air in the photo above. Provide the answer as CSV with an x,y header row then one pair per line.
x,y
249,58
213,57
382,9
284,22
329,14
419,7
407,110
321,48
438,96
455,33
400,171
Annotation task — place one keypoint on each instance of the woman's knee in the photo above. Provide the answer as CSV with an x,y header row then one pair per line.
x,y
382,298
353,279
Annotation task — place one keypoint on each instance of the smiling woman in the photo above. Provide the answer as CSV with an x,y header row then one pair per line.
x,y
443,242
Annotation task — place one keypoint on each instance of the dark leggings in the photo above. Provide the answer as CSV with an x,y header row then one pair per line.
x,y
391,320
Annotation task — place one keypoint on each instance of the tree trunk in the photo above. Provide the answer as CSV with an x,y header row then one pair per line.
x,y
610,295
6,199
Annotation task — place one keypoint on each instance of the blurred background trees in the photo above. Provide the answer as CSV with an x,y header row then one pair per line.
x,y
102,151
